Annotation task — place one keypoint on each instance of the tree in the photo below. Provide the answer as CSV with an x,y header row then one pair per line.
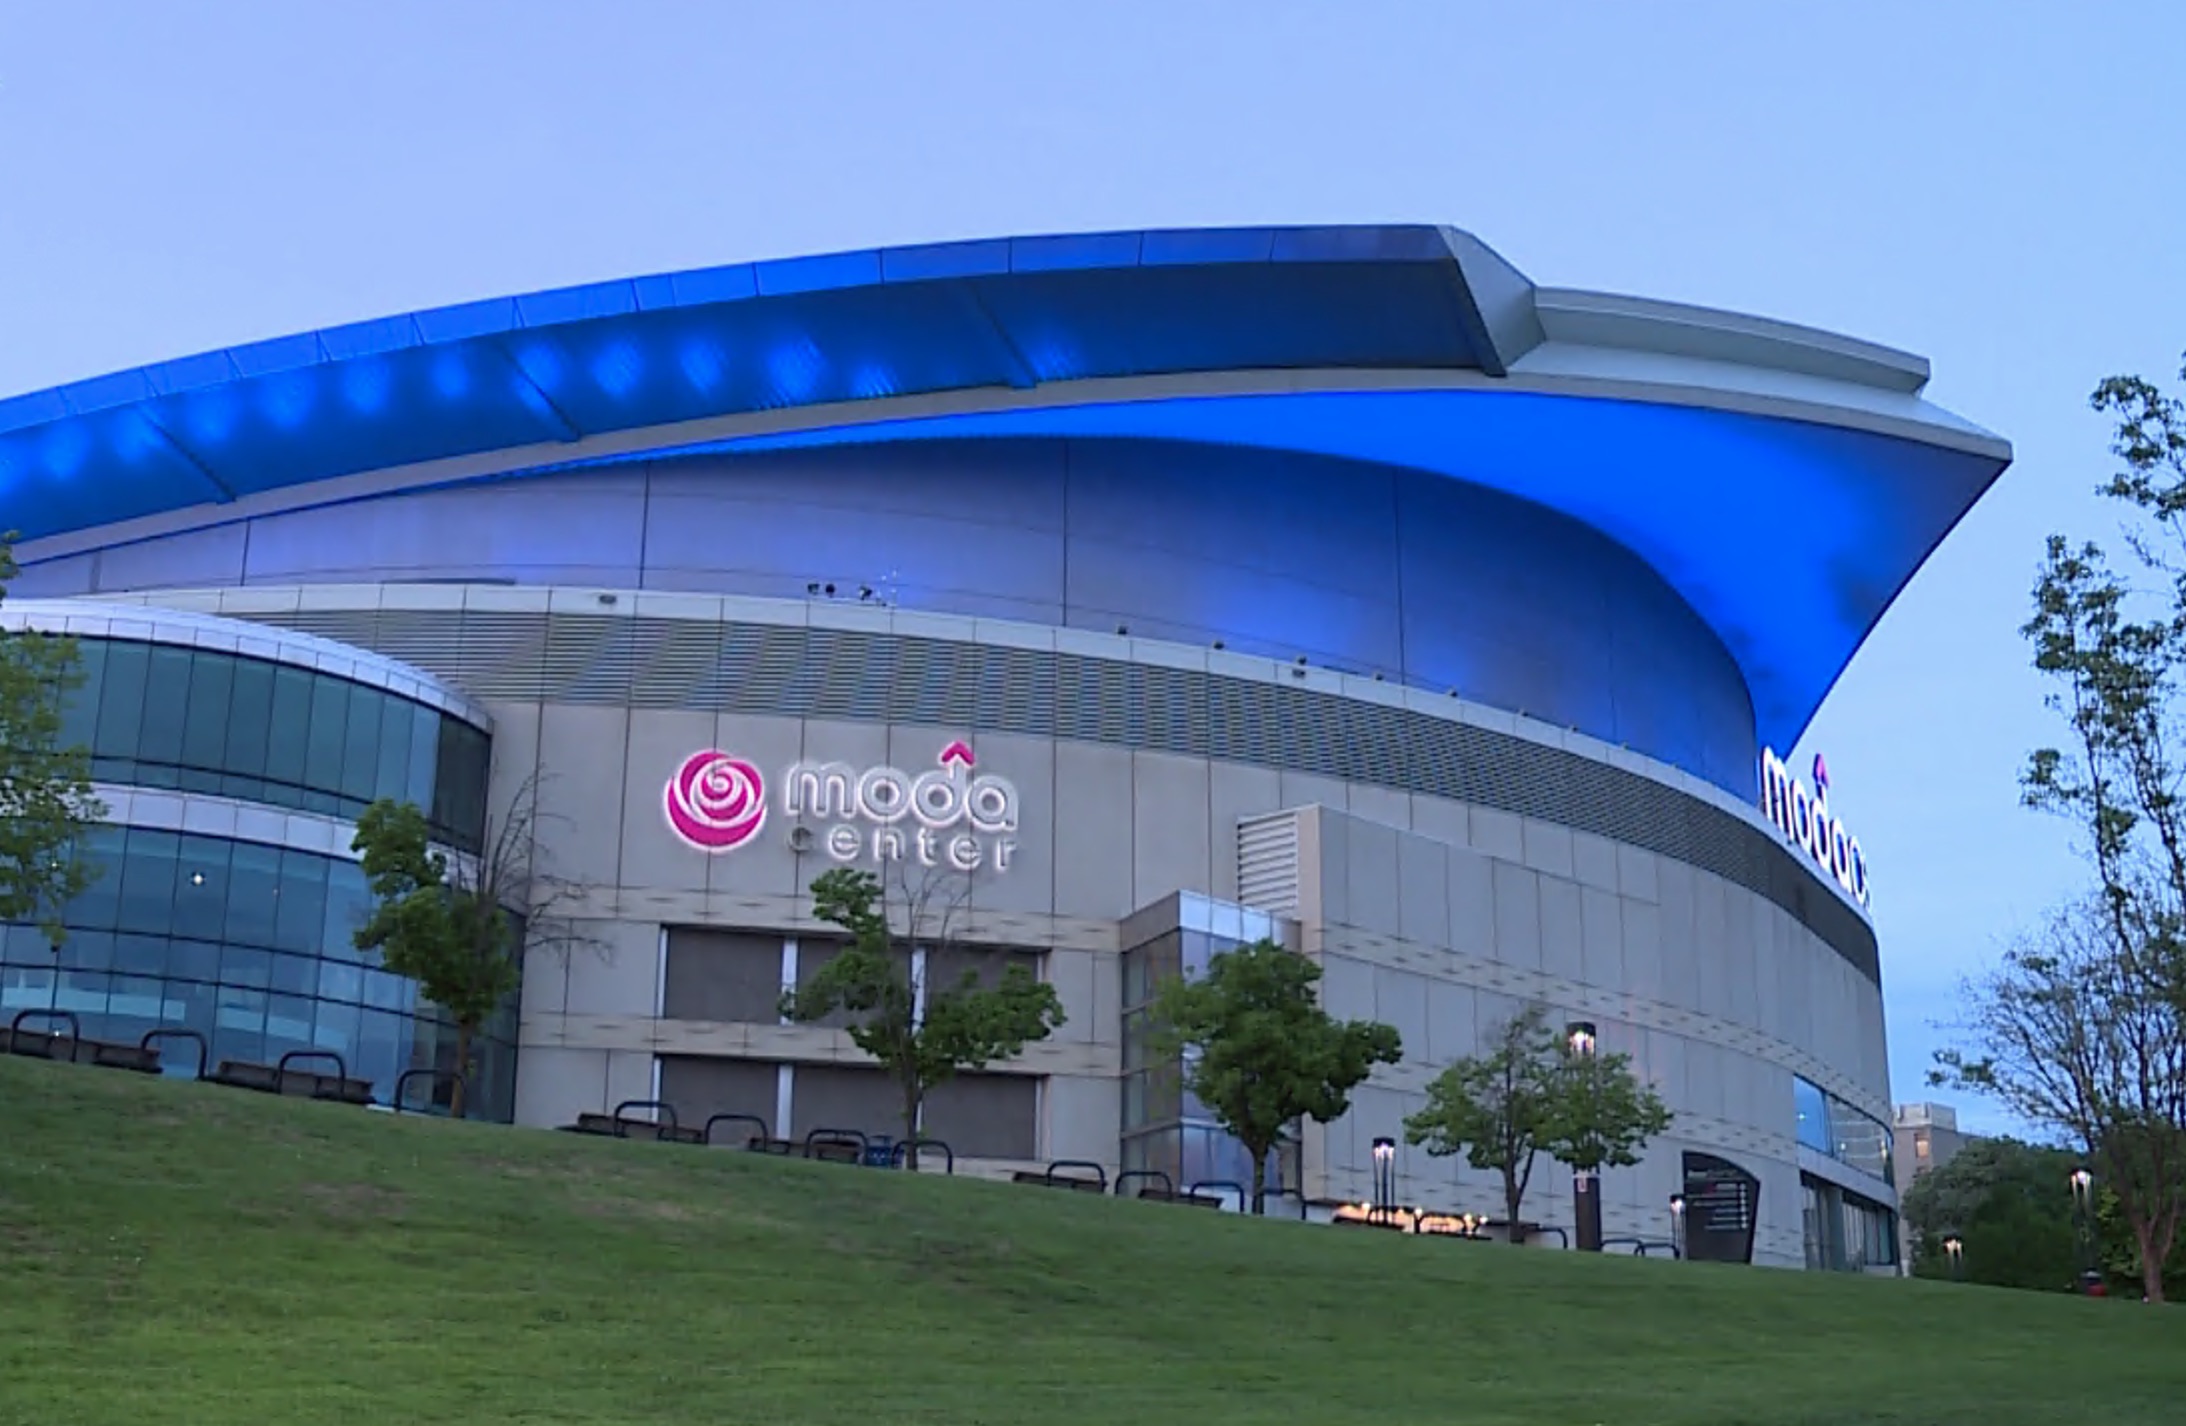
x,y
1259,1050
2081,1035
921,1040
46,801
2113,650
1531,1093
2010,1205
1598,1113
1495,1108
459,925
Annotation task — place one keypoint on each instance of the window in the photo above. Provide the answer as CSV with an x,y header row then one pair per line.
x,y
205,725
121,701
166,702
1832,1126
1164,1127
148,880
724,975
247,945
288,729
200,720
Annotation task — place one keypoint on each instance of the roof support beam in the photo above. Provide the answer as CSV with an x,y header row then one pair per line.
x,y
222,491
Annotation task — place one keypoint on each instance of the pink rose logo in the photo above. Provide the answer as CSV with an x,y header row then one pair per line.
x,y
716,802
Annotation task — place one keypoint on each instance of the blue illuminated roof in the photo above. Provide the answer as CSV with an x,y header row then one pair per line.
x,y
1786,482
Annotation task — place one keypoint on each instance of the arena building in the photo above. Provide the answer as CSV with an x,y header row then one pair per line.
x,y
1147,592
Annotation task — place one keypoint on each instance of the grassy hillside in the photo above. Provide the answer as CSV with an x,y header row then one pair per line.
x,y
177,1253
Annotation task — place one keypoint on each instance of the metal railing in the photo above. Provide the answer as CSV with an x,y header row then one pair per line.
x,y
435,1076
204,1051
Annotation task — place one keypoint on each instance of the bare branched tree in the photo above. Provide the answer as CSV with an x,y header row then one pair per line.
x,y
2081,1034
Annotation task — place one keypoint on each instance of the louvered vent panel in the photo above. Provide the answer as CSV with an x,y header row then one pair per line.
x,y
1267,863
1015,693
424,639
673,663
869,676
504,655
589,658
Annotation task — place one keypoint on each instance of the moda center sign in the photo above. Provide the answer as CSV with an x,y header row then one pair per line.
x,y
1805,818
949,815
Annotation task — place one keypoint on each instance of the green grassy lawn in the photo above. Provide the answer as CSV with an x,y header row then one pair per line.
x,y
173,1252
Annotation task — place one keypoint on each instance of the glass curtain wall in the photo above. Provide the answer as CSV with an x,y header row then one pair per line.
x,y
1829,1125
199,720
250,946
1165,1128
1844,1231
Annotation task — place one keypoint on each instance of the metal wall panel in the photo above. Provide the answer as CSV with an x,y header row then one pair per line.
x,y
1366,569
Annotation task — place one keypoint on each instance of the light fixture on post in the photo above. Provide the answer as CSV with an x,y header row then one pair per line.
x,y
2083,1212
1955,1249
1385,1180
1677,1225
1580,1041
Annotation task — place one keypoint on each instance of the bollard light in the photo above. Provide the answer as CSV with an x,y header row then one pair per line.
x,y
1677,1224
1955,1250
2083,1206
1586,1184
1385,1179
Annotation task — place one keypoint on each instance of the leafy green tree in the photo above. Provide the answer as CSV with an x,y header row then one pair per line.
x,y
1598,1113
2010,1205
1259,1050
46,801
921,1041
460,925
2113,647
1530,1094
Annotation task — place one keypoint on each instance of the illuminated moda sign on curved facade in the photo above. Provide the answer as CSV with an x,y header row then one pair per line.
x,y
715,802
1805,818
947,816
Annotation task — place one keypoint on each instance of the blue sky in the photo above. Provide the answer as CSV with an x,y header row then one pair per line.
x,y
1993,184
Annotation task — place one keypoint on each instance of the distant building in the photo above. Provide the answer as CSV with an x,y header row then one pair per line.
x,y
1924,1137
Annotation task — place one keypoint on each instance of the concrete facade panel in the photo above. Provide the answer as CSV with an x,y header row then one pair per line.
x,y
1094,858
1172,844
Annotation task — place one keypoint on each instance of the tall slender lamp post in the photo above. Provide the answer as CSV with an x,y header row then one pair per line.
x,y
1586,1183
1385,1180
2083,1212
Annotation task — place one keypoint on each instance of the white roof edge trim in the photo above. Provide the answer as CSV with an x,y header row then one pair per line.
x,y
1607,319
144,618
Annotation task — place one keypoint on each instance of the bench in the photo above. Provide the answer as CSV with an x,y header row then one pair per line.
x,y
619,1126
1076,1179
107,1055
1071,1181
1642,1247
69,1048
341,1088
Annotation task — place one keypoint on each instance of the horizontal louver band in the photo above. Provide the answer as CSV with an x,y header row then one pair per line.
x,y
798,672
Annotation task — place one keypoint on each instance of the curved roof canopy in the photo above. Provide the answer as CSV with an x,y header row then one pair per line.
x,y
1786,482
